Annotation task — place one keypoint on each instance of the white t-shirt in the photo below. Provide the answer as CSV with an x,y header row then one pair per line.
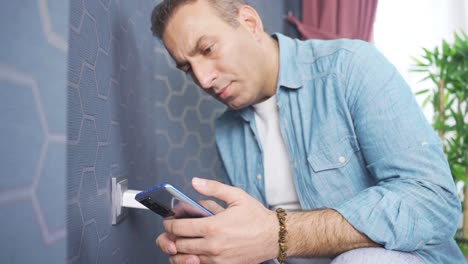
x,y
279,182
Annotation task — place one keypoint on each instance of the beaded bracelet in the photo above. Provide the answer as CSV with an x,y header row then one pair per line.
x,y
281,214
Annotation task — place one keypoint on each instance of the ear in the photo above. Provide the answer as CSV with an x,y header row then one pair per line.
x,y
250,19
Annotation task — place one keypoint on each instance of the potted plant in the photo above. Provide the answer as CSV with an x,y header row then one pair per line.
x,y
446,68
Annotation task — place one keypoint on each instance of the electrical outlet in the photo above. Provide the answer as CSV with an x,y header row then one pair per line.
x,y
119,185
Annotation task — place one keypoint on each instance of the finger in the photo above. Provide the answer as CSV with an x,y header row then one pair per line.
x,y
185,210
211,206
193,246
171,237
207,259
218,190
166,242
187,227
184,258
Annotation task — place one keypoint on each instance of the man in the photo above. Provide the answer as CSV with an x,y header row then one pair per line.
x,y
327,130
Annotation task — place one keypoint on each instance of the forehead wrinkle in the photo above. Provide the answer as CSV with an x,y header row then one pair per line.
x,y
185,33
197,45
187,44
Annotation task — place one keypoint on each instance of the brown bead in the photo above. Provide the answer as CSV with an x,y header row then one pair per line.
x,y
281,215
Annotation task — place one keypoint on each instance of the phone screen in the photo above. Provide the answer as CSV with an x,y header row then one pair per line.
x,y
167,201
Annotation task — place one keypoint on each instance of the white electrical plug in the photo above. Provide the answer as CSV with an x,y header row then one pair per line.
x,y
122,198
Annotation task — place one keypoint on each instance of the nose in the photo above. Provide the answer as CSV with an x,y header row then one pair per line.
x,y
204,74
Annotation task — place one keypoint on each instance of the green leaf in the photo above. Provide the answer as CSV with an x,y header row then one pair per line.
x,y
419,62
450,103
465,36
436,52
458,172
446,97
458,39
418,70
427,54
434,78
426,100
422,92
445,48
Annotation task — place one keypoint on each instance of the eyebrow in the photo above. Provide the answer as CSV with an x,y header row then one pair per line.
x,y
197,46
193,51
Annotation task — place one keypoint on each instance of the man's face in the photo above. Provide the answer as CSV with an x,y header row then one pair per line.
x,y
223,60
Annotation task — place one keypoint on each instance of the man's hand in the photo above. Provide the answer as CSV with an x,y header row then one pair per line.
x,y
166,241
245,232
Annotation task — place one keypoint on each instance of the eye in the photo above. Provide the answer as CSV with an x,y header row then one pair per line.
x,y
188,70
208,50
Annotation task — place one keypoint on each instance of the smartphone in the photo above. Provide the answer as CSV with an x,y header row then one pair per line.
x,y
167,201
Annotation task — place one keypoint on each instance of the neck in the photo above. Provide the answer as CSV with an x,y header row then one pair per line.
x,y
271,67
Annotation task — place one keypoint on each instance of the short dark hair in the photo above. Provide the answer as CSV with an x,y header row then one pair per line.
x,y
226,9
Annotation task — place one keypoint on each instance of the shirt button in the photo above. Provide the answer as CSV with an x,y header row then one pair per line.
x,y
259,177
342,159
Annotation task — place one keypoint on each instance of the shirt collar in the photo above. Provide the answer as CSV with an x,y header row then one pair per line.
x,y
289,73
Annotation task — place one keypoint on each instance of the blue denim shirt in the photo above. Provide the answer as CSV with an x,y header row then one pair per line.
x,y
358,143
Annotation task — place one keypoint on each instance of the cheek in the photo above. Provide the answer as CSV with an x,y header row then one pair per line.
x,y
233,60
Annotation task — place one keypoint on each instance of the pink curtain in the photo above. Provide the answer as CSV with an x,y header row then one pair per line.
x,y
333,19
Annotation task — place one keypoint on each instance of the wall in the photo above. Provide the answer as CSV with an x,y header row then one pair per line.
x,y
420,23
133,114
120,108
33,55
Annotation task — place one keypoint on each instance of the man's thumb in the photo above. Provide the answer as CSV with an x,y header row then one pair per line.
x,y
220,191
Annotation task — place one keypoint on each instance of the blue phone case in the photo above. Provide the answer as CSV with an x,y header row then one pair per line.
x,y
167,201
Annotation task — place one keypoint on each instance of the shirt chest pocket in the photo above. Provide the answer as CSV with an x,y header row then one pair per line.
x,y
329,155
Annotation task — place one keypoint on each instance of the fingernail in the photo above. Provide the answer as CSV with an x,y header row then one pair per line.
x,y
171,249
198,182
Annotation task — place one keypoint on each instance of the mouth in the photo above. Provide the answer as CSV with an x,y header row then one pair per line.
x,y
224,93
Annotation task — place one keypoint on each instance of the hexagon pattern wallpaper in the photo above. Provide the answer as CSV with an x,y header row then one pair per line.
x,y
87,93
33,78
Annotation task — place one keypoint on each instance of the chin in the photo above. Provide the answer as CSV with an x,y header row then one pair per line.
x,y
234,107
238,103
237,106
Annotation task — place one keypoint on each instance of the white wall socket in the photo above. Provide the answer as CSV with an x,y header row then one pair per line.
x,y
122,199
118,186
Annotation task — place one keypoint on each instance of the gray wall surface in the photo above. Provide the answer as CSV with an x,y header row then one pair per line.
x,y
33,77
120,108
